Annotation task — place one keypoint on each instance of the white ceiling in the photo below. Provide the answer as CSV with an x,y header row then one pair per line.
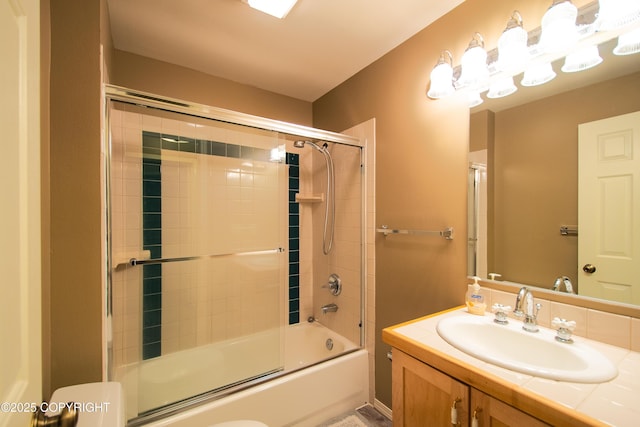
x,y
320,44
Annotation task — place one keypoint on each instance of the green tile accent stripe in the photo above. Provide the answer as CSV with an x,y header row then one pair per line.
x,y
293,160
152,241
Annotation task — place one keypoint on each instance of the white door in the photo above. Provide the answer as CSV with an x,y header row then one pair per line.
x,y
20,354
609,208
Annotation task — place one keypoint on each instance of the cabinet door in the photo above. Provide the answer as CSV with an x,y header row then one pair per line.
x,y
423,396
494,413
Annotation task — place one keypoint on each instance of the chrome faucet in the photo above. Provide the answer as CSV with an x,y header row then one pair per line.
x,y
526,308
563,280
329,308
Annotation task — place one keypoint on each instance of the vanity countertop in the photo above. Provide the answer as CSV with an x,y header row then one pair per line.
x,y
614,403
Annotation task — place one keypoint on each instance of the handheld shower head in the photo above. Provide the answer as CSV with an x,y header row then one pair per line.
x,y
327,238
301,143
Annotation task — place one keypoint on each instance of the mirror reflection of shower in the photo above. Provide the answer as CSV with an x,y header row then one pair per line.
x,y
329,204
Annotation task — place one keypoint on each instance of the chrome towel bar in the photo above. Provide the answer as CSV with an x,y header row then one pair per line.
x,y
447,233
134,261
569,230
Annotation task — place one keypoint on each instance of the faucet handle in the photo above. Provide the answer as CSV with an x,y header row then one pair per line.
x,y
501,313
564,329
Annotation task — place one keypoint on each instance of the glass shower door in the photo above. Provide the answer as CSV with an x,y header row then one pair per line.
x,y
198,263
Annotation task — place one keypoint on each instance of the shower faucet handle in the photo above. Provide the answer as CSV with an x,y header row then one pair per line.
x,y
334,284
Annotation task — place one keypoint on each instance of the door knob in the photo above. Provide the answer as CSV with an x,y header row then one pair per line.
x,y
589,268
67,418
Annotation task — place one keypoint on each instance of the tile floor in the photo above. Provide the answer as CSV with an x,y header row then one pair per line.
x,y
367,414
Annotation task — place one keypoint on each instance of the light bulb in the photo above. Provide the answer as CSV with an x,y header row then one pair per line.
x,y
628,43
559,29
617,13
538,74
501,88
442,78
475,73
582,59
474,99
512,45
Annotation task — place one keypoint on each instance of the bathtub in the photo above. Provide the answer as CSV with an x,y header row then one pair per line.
x,y
314,382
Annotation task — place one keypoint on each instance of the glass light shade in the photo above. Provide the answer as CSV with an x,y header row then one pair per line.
x,y
559,29
277,8
475,72
538,74
512,45
475,99
617,13
582,59
501,88
628,43
442,77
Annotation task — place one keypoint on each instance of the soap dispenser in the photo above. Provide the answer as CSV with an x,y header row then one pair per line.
x,y
475,299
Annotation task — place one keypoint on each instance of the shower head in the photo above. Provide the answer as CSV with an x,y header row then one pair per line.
x,y
301,143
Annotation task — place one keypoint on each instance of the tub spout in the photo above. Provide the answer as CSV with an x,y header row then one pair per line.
x,y
329,308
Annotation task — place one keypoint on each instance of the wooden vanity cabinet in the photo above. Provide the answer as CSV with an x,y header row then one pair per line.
x,y
424,396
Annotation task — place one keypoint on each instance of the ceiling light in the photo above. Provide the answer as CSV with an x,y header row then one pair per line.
x,y
512,45
475,72
582,59
277,8
628,43
538,74
442,77
617,13
559,29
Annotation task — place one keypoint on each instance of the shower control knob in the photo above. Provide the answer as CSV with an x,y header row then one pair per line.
x,y
589,268
334,284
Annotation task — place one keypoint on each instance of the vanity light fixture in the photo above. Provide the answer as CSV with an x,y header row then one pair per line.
x,y
628,43
442,77
512,45
582,59
502,87
538,74
559,30
532,52
617,13
474,99
277,8
475,72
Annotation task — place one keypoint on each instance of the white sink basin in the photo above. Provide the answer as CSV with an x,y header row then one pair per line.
x,y
537,354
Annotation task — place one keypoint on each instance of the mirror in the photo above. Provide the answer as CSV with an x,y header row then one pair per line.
x,y
528,144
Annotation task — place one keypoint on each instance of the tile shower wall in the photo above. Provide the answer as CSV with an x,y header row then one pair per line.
x,y
185,304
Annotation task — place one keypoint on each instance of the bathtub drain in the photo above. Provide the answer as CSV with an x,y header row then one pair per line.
x,y
329,344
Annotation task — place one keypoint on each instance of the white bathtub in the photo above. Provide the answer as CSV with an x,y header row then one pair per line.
x,y
303,397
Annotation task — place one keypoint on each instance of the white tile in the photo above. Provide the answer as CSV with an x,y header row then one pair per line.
x,y
565,393
635,334
609,328
614,405
569,312
506,374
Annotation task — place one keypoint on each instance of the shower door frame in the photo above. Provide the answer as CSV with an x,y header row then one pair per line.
x,y
140,98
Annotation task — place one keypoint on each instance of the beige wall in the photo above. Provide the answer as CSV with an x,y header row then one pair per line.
x,y
421,163
72,242
162,78
536,178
